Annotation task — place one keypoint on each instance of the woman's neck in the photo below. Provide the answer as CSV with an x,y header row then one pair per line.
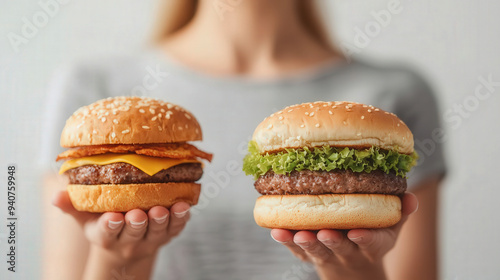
x,y
255,38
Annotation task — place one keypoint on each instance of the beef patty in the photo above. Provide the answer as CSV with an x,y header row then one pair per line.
x,y
328,182
124,173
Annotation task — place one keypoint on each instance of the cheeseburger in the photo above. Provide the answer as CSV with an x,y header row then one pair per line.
x,y
337,165
131,152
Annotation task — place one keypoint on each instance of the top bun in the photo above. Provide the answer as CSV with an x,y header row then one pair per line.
x,y
338,124
129,120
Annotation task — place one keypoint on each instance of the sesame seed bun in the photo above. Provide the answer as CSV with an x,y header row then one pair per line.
x,y
129,120
125,197
340,124
328,211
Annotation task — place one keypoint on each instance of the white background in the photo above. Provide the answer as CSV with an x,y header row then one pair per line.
x,y
452,43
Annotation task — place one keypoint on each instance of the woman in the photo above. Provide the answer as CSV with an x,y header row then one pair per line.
x,y
232,63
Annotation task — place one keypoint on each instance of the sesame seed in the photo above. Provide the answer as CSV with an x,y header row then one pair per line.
x,y
387,113
159,115
311,114
180,127
106,114
167,116
103,119
115,121
377,109
154,118
307,113
334,106
345,123
302,125
162,110
369,110
145,127
330,112
125,131
362,117
169,106
113,135
160,128
142,111
94,132
269,126
152,111
289,111
358,134
317,125
280,118
187,116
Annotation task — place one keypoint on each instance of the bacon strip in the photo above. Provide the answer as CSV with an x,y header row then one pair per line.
x,y
168,150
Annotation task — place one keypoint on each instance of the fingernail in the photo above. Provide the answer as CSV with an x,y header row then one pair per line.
x,y
356,239
137,224
277,240
303,244
181,214
326,241
114,224
161,220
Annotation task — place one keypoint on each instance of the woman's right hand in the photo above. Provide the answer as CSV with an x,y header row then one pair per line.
x,y
129,237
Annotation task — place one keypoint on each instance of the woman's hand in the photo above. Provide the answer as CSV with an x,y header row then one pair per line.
x,y
352,255
121,240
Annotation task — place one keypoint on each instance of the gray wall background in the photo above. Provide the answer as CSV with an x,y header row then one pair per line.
x,y
454,44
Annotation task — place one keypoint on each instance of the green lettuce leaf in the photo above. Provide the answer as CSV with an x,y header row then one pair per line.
x,y
327,158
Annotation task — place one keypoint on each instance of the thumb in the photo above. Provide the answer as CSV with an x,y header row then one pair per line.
x,y
62,201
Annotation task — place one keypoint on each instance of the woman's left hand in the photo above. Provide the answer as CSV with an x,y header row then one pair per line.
x,y
338,255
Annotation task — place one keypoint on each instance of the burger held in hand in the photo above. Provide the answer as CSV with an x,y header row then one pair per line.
x,y
330,165
131,153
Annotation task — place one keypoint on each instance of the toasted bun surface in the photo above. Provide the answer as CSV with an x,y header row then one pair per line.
x,y
341,124
129,120
329,211
122,198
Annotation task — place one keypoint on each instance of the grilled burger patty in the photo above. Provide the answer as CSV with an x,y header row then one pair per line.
x,y
124,173
328,182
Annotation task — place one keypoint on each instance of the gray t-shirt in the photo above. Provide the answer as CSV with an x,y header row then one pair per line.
x,y
222,241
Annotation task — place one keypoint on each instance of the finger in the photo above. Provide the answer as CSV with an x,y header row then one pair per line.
x,y
106,229
374,243
62,201
180,215
136,222
409,204
285,237
315,250
158,222
339,244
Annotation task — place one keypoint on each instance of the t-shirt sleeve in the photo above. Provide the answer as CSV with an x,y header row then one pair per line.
x,y
71,87
418,108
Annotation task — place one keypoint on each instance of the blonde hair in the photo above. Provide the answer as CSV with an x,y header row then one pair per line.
x,y
175,14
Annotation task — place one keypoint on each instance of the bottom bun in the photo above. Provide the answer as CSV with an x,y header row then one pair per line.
x,y
328,211
125,197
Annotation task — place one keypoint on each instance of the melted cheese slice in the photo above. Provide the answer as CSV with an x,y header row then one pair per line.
x,y
149,165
